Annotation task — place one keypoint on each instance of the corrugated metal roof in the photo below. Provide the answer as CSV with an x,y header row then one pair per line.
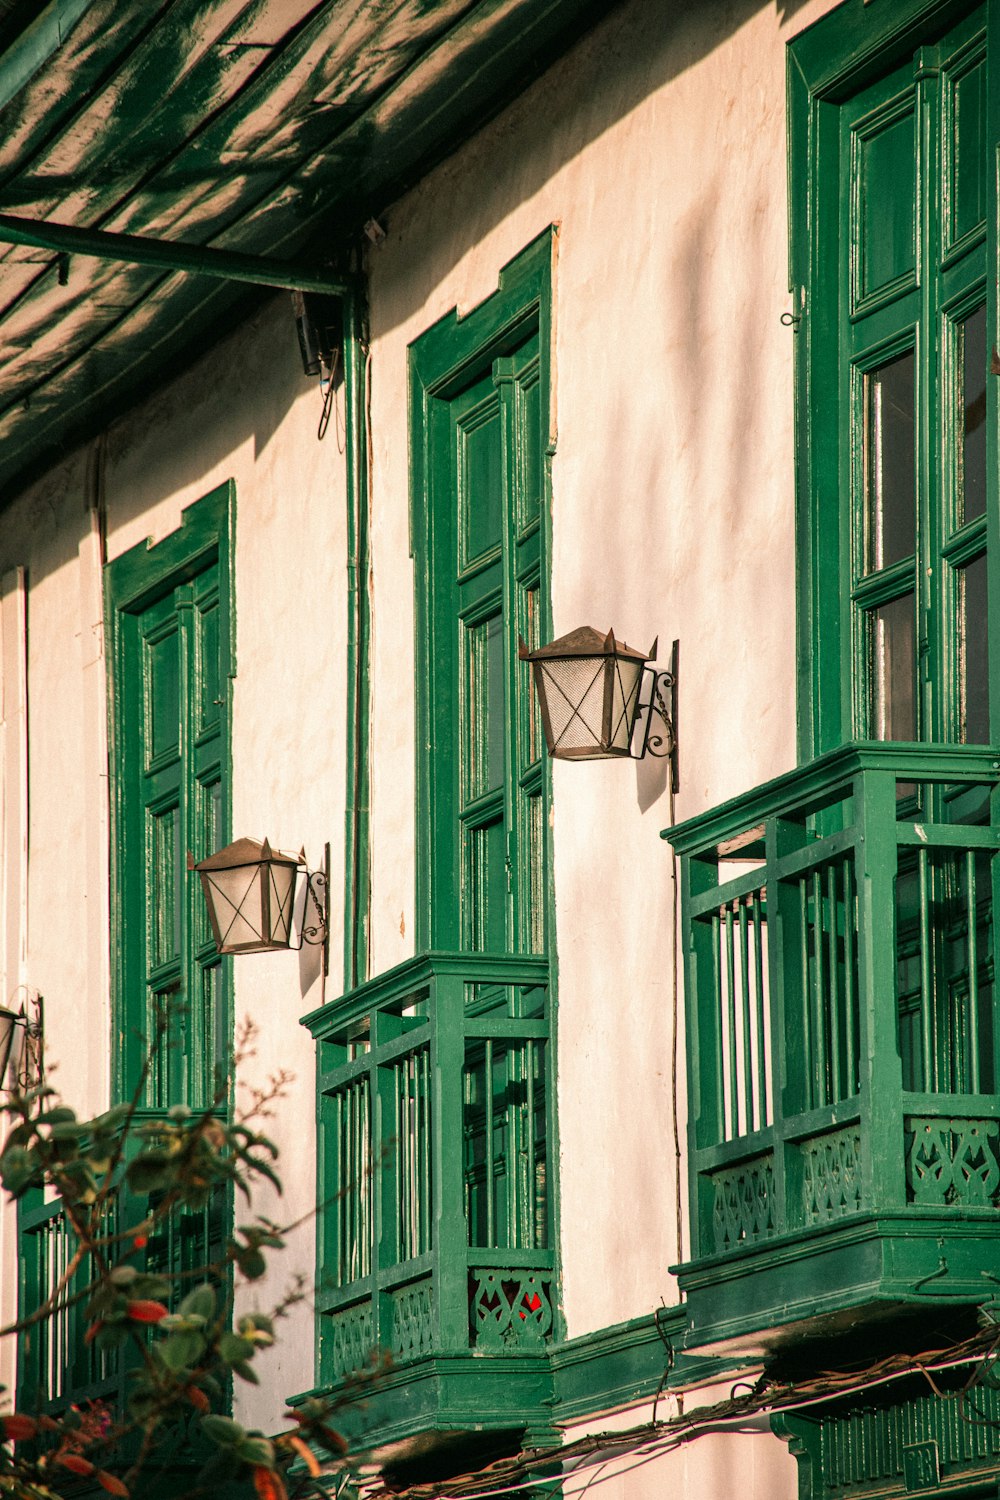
x,y
264,126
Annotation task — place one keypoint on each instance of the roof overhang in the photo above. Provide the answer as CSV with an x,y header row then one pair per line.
x,y
261,134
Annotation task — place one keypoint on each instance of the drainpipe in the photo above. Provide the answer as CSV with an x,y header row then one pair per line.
x,y
357,868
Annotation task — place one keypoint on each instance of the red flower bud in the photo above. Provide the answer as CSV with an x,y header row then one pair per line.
x,y
142,1311
76,1464
268,1484
18,1427
113,1485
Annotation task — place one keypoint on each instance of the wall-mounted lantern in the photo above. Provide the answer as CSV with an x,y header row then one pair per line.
x,y
598,696
249,889
21,1044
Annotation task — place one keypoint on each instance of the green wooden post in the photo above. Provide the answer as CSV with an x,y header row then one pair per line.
x,y
787,989
451,1268
385,1150
881,1079
704,1037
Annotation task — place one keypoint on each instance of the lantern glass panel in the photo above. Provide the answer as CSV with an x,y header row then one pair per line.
x,y
625,675
236,905
282,899
9,1049
571,689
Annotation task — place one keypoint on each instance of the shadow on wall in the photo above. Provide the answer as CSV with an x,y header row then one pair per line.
x,y
626,58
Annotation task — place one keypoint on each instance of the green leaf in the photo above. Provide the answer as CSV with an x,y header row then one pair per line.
x,y
251,1263
150,1288
257,1450
222,1430
57,1116
111,1335
123,1275
199,1303
245,1372
149,1172
180,1350
233,1349
257,1328
19,1170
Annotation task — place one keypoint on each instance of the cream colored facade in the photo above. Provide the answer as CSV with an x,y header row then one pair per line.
x,y
657,148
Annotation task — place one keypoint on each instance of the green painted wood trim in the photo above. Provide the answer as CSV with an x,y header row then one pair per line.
x,y
601,1372
816,778
132,580
357,855
418,971
627,1363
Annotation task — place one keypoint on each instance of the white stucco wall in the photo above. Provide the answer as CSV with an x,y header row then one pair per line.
x,y
658,148
746,1461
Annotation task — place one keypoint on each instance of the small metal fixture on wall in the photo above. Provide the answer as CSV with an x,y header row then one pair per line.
x,y
21,1055
598,697
249,889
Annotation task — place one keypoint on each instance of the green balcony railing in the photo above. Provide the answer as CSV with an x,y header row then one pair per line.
x,y
434,1090
843,1055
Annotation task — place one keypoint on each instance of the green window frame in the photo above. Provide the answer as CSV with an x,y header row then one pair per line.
x,y
892,248
171,633
480,538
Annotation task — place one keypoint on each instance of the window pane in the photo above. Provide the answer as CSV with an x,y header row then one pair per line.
x,y
484,707
890,477
975,654
892,670
974,415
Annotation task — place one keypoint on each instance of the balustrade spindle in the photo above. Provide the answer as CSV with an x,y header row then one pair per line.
x,y
820,1061
748,1111
972,1014
734,1107
927,1038
834,997
850,1024
758,930
490,1165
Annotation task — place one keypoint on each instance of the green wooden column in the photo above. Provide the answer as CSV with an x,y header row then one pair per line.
x,y
881,1073
450,1228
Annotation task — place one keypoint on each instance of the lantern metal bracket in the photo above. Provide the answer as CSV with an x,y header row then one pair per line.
x,y
661,700
316,933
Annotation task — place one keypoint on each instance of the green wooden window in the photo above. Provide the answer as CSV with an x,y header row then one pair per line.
x,y
893,237
170,629
484,788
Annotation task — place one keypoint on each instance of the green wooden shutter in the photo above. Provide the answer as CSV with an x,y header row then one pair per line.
x,y
488,818
890,193
171,634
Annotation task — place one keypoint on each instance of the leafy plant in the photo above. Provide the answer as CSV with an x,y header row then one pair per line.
x,y
121,1182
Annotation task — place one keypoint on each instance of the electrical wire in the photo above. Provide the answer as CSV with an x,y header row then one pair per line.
x,y
511,1476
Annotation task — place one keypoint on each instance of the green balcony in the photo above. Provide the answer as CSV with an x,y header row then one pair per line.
x,y
435,1237
843,1057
